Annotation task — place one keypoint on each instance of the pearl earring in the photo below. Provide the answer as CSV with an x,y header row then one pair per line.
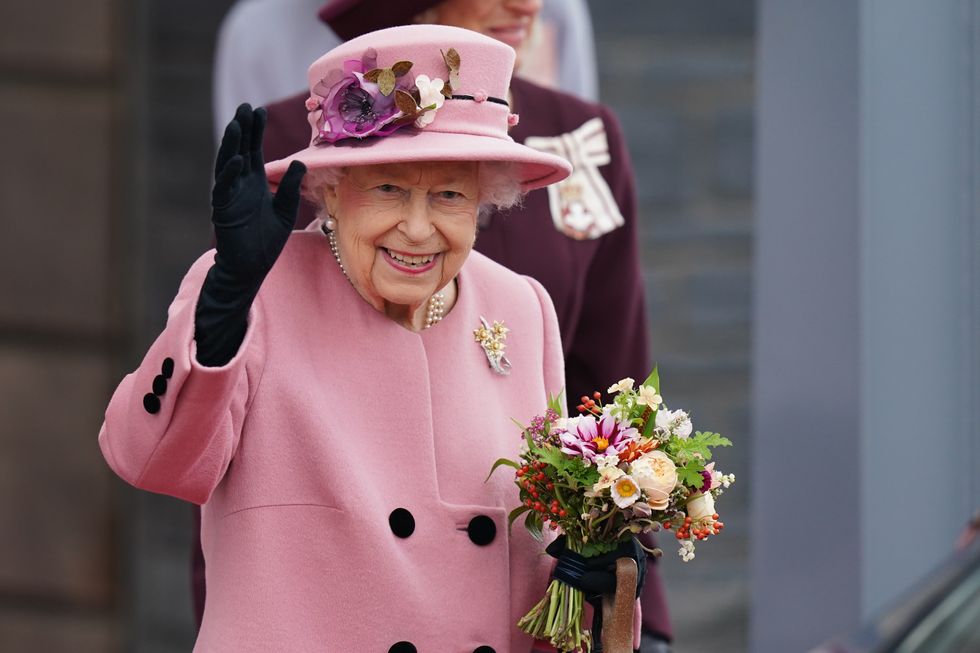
x,y
329,223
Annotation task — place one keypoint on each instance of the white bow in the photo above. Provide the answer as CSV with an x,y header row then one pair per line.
x,y
582,206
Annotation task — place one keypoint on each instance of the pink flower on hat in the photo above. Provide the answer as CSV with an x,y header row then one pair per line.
x,y
354,107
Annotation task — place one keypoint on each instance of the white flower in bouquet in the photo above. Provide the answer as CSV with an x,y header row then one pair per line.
x,y
701,507
623,385
607,476
686,551
656,474
675,422
606,461
647,395
568,423
619,410
625,491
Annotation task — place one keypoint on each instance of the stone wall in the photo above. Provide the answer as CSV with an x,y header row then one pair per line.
x,y
62,319
680,75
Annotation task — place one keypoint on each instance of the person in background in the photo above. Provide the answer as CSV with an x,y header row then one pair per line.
x,y
251,64
578,237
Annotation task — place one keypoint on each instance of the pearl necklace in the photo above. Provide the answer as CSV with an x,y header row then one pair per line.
x,y
436,308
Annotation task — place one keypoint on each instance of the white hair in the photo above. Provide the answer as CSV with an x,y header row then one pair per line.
x,y
499,182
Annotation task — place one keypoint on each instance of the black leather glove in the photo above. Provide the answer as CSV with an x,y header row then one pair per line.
x,y
251,227
596,576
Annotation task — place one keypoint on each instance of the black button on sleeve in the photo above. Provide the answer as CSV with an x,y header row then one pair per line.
x,y
481,530
151,403
159,384
402,524
403,647
167,369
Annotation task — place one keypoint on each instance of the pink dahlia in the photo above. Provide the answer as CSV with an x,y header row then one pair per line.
x,y
587,438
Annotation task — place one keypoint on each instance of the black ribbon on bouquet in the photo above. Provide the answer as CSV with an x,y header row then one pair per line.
x,y
595,576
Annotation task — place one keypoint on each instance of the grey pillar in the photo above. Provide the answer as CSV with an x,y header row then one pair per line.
x,y
805,478
918,461
866,319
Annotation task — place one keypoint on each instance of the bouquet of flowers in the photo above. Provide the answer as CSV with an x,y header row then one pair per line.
x,y
618,469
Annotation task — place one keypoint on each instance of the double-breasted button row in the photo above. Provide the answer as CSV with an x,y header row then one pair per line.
x,y
151,400
408,647
482,530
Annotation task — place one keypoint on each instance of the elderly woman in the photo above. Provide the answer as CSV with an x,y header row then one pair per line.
x,y
321,393
579,237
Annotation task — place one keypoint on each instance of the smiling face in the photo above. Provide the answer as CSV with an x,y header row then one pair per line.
x,y
404,231
509,21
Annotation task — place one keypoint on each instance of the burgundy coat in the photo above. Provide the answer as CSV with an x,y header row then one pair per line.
x,y
595,284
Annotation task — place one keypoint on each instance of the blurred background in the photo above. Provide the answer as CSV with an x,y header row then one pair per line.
x,y
807,177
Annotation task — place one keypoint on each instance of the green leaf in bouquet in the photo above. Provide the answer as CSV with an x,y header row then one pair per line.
x,y
689,474
578,473
514,514
649,420
530,442
709,439
552,456
498,463
697,445
533,524
557,402
653,379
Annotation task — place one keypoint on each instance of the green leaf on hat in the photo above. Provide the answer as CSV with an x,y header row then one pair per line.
x,y
386,81
405,103
401,67
451,57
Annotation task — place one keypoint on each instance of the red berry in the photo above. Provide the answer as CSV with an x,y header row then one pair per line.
x,y
562,513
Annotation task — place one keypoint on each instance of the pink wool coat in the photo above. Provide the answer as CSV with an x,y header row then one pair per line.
x,y
340,460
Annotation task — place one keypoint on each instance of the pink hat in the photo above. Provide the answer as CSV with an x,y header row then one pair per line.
x,y
416,93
